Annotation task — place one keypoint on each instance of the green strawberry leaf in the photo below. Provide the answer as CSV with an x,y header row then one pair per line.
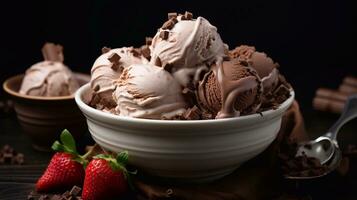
x,y
68,142
56,146
123,157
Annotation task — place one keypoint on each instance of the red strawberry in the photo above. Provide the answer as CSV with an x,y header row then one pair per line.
x,y
66,167
106,177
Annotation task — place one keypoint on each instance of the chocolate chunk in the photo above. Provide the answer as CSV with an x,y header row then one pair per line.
x,y
105,50
96,88
172,15
135,52
75,191
145,51
168,67
158,62
192,113
164,35
148,40
52,52
188,15
114,58
169,24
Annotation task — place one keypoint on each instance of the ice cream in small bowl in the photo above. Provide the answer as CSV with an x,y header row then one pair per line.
x,y
184,106
44,99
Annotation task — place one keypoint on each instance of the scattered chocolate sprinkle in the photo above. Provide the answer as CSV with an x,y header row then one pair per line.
x,y
188,15
96,88
164,35
192,113
172,15
169,24
148,40
44,197
74,194
105,50
145,51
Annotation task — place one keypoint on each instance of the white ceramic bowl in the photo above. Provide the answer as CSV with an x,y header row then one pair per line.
x,y
197,150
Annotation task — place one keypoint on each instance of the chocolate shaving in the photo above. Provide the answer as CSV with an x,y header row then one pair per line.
x,y
105,50
164,35
148,40
52,52
172,15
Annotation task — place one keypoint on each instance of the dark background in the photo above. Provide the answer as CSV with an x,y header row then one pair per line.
x,y
313,42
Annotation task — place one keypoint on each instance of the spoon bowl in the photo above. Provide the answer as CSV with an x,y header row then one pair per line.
x,y
325,148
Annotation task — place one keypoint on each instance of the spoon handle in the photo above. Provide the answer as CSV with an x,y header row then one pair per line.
x,y
349,112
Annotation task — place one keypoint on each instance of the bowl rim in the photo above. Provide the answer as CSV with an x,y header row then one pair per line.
x,y
83,106
8,90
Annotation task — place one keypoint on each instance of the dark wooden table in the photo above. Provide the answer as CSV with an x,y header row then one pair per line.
x,y
16,182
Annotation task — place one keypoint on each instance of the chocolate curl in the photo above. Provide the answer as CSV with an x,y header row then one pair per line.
x,y
52,52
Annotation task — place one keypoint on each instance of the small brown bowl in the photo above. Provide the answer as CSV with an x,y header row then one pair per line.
x,y
44,118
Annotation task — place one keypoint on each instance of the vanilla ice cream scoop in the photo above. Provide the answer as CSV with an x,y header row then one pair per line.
x,y
183,42
108,68
148,91
50,77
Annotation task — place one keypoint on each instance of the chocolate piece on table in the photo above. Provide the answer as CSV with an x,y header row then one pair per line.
x,y
347,89
328,105
75,191
164,35
44,197
56,197
349,80
331,94
105,50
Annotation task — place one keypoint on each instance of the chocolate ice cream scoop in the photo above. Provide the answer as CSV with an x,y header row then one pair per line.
x,y
263,64
148,91
50,77
183,44
108,68
230,89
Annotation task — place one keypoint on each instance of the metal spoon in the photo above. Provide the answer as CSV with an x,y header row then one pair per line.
x,y
325,148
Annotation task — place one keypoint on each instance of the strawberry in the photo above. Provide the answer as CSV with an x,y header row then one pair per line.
x,y
66,167
106,177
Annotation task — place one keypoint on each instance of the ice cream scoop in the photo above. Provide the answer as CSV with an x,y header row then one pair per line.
x,y
230,89
264,65
50,77
148,91
107,69
184,44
